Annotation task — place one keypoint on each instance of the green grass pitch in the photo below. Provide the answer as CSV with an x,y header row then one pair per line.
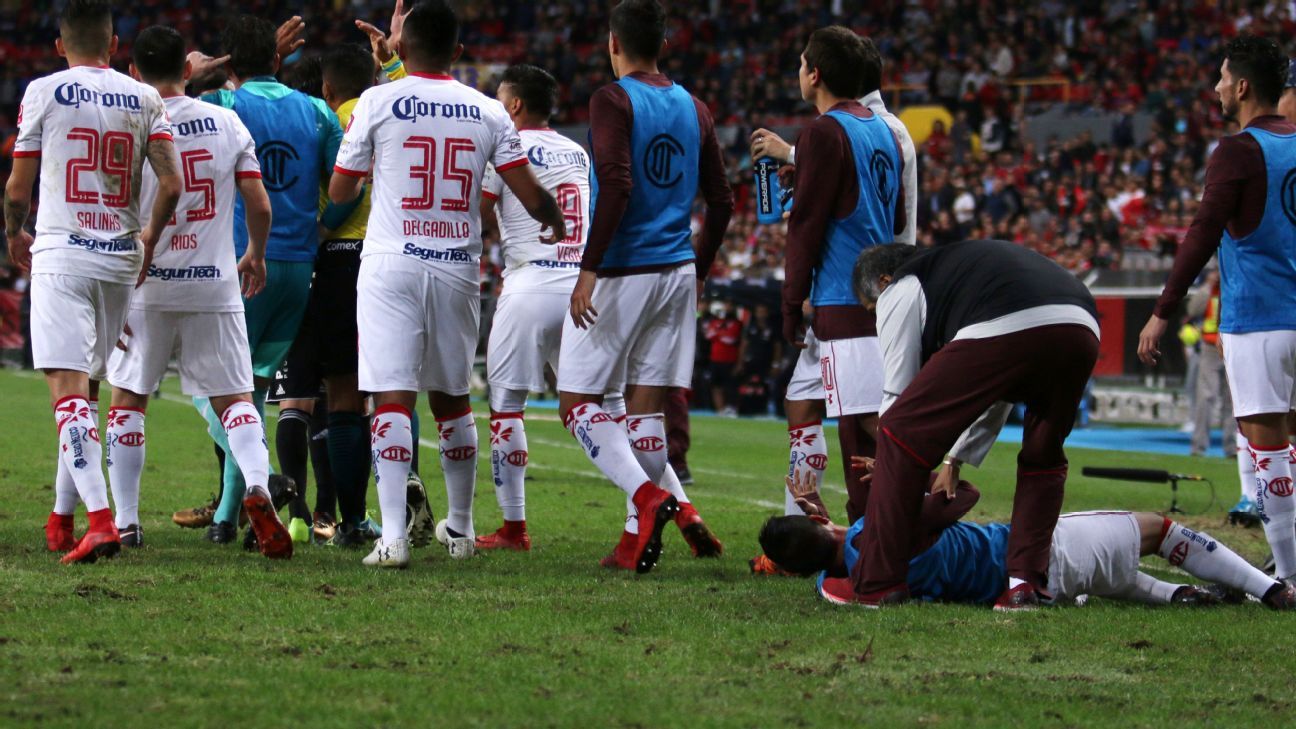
x,y
186,633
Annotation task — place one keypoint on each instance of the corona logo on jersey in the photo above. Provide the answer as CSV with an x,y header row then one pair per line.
x,y
74,95
400,454
411,108
817,461
462,453
649,443
276,158
1281,486
543,158
659,161
203,127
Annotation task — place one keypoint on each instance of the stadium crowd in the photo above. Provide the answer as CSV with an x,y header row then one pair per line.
x,y
1083,202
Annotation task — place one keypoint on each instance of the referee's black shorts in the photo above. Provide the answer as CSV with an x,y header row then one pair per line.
x,y
327,343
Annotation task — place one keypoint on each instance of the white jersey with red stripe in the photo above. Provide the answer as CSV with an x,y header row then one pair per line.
x,y
91,128
427,139
194,268
563,168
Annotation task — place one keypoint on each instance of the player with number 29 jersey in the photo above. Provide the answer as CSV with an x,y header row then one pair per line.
x,y
91,127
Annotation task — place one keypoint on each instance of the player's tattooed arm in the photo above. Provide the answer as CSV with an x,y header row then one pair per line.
x,y
161,156
17,206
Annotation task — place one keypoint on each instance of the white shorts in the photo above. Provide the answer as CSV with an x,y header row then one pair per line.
x,y
211,348
76,321
852,376
807,377
1261,369
525,335
1094,553
417,333
644,334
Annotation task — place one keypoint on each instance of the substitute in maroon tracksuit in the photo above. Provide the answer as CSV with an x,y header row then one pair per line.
x,y
963,327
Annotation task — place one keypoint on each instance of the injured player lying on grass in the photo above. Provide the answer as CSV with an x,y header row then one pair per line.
x,y
1094,553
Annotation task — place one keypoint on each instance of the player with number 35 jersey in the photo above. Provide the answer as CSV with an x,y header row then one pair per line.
x,y
427,140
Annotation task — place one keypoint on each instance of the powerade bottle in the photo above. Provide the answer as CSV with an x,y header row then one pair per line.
x,y
769,194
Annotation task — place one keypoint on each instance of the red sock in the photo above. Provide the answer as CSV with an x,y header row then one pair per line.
x,y
514,529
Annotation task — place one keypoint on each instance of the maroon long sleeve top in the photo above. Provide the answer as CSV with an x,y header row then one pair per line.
x,y
611,119
1237,185
827,189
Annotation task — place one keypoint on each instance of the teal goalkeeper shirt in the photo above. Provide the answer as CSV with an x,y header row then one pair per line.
x,y
297,138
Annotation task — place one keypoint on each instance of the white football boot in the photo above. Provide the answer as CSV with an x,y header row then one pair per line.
x,y
394,554
459,547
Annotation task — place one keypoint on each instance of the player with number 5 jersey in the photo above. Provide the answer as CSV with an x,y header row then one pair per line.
x,y
89,130
190,303
427,140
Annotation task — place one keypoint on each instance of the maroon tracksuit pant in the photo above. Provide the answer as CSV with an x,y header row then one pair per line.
x,y
1045,367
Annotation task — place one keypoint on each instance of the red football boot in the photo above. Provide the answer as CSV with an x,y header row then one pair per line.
x,y
58,532
622,557
100,540
656,507
513,535
841,591
1022,598
695,531
273,538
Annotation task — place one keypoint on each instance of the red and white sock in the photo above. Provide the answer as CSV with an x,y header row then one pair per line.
x,y
1246,467
125,462
459,463
391,444
647,434
508,463
606,445
807,451
80,451
1198,554
1277,506
245,433
65,491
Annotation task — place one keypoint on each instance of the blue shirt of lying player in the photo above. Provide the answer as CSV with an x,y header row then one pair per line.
x,y
956,561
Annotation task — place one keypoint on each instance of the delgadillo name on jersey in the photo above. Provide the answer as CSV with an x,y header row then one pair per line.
x,y
411,108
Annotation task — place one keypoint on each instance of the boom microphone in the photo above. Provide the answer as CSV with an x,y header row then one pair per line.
x,y
1150,475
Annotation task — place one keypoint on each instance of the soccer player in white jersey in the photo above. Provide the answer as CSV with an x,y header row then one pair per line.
x,y
538,281
427,139
190,303
88,130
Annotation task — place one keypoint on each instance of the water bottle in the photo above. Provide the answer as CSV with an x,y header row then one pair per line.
x,y
769,194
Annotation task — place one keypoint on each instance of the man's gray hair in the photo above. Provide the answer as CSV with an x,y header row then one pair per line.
x,y
876,262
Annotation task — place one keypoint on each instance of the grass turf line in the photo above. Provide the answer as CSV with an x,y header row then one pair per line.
x,y
186,633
